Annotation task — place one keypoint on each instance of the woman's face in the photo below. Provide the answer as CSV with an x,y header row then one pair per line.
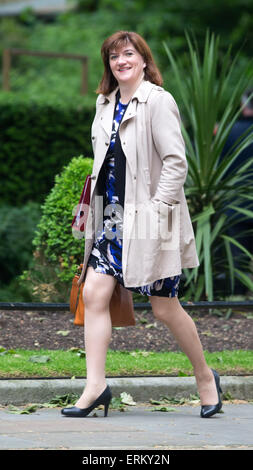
x,y
127,65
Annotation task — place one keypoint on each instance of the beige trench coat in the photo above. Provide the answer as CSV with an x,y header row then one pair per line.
x,y
158,238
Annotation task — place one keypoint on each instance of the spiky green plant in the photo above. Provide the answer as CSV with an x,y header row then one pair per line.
x,y
210,188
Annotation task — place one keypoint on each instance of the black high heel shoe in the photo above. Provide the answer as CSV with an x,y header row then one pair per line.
x,y
103,399
209,410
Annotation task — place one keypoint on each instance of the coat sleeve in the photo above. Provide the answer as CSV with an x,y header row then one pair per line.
x,y
169,143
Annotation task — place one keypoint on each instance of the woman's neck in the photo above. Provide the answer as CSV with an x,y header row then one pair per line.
x,y
127,91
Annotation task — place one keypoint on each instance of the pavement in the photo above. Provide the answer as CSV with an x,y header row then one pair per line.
x,y
137,428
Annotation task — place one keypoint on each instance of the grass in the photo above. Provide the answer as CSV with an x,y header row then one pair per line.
x,y
22,363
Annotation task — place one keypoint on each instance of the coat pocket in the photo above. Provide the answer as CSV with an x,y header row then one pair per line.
x,y
168,216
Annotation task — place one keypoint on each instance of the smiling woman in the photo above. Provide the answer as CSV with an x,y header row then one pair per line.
x,y
139,171
127,66
136,50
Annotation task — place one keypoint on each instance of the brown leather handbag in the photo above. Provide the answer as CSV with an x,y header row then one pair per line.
x,y
121,305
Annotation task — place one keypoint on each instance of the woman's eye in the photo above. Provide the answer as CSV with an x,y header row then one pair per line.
x,y
115,57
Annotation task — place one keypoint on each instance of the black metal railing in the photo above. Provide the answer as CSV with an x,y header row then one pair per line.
x,y
219,304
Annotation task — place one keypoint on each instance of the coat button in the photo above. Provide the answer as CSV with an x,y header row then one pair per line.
x,y
106,143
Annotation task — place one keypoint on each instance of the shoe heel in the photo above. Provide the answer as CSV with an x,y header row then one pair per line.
x,y
106,407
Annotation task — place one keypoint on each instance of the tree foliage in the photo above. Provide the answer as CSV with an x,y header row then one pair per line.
x,y
84,30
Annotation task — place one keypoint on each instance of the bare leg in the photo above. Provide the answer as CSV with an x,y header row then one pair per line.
x,y
98,289
170,312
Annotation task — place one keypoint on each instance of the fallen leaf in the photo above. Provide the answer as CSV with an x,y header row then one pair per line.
x,y
163,408
116,404
127,399
151,325
40,359
143,320
154,402
207,333
63,332
26,411
7,351
79,352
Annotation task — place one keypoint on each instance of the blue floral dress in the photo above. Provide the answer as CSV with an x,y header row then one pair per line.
x,y
106,254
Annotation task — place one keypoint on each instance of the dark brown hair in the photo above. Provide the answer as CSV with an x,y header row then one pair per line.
x,y
115,42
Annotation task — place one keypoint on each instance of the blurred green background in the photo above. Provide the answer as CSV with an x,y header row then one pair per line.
x,y
45,121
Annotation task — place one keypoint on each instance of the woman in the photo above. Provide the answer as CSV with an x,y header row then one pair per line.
x,y
146,236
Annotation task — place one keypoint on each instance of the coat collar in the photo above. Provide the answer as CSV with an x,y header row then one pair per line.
x,y
141,94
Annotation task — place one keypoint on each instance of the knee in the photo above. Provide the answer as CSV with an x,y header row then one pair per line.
x,y
88,294
161,314
95,297
164,309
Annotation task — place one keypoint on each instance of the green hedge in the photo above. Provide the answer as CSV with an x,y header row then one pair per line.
x,y
36,141
16,234
57,252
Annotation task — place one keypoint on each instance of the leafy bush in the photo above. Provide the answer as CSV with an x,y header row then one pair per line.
x,y
57,253
15,291
17,229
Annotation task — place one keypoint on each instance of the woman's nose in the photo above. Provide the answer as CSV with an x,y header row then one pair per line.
x,y
121,59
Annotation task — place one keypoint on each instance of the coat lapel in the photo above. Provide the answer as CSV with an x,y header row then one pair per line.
x,y
107,117
130,112
108,102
